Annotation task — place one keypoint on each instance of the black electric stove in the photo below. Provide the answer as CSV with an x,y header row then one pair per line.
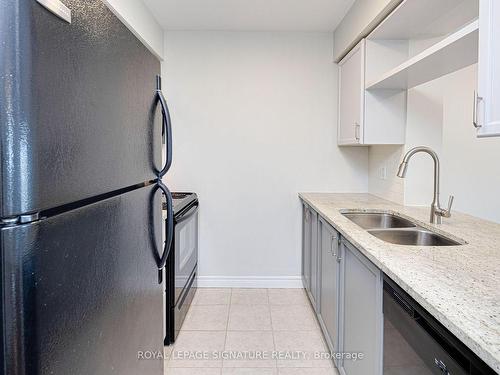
x,y
182,264
182,202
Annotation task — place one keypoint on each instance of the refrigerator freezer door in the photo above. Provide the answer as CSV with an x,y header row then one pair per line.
x,y
81,293
78,109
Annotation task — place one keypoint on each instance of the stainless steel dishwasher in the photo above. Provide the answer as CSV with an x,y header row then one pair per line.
x,y
415,343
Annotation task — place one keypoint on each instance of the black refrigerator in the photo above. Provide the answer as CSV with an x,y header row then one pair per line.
x,y
82,126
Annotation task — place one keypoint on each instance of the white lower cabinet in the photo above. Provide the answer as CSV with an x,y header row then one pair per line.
x,y
306,247
310,255
362,314
315,262
329,285
345,289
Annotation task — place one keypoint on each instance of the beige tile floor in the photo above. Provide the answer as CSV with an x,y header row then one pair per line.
x,y
271,322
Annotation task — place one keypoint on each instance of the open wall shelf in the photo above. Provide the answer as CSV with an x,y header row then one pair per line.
x,y
418,19
456,51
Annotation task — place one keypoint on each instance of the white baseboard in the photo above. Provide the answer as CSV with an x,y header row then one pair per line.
x,y
288,282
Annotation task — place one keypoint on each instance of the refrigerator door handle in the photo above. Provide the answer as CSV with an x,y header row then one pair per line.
x,y
169,223
166,127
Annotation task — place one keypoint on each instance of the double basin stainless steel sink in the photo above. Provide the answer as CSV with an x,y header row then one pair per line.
x,y
397,230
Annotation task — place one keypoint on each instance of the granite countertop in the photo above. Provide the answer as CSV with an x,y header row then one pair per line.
x,y
458,285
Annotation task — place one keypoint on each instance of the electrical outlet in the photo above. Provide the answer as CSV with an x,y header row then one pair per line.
x,y
383,173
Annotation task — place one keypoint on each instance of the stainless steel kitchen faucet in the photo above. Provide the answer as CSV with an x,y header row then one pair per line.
x,y
436,211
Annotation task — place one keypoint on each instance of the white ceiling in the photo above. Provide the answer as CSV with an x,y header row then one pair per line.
x,y
249,15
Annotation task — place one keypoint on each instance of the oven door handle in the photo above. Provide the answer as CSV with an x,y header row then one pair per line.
x,y
186,215
169,223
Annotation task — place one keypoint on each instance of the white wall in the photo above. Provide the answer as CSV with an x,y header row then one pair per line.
x,y
384,183
136,16
254,123
440,115
424,127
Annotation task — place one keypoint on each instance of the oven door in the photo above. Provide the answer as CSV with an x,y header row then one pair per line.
x,y
185,262
186,250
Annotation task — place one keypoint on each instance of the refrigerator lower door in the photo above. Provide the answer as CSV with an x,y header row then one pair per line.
x,y
81,292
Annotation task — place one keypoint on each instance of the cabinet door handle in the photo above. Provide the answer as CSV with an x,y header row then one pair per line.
x,y
332,239
357,130
475,121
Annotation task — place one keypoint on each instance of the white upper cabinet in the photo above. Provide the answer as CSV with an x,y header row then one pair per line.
x,y
351,96
419,41
487,101
367,118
